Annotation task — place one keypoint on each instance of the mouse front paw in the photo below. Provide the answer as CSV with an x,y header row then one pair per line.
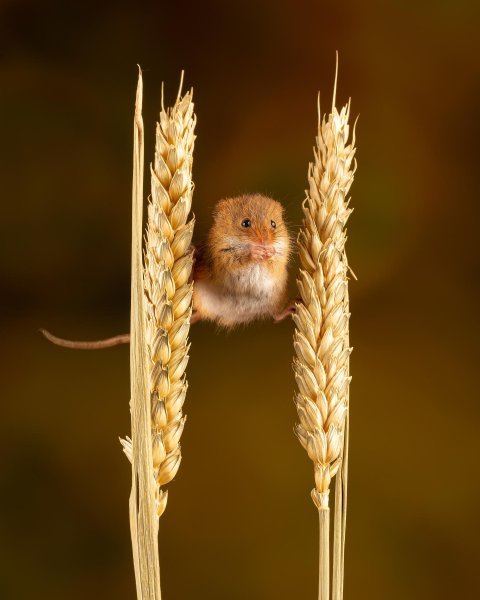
x,y
288,311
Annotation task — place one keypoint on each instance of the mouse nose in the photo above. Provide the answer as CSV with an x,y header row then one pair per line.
x,y
264,237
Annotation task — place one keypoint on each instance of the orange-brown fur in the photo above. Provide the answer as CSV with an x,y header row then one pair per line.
x,y
240,273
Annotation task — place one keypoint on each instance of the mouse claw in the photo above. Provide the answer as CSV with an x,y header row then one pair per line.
x,y
288,311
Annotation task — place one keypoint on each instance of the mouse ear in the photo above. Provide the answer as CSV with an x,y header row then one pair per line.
x,y
280,207
220,207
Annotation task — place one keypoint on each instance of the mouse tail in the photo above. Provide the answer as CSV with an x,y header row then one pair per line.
x,y
94,345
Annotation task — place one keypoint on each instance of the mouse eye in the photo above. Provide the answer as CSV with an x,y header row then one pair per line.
x,y
273,224
246,223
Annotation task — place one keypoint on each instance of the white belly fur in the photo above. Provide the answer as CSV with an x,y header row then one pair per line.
x,y
247,294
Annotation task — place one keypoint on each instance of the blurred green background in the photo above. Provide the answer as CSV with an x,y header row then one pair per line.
x,y
240,522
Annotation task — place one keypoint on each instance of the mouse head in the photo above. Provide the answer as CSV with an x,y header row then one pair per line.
x,y
250,226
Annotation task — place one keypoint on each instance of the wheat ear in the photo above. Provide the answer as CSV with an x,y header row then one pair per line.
x,y
321,338
168,290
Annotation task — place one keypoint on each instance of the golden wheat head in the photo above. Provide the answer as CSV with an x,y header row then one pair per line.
x,y
168,290
321,338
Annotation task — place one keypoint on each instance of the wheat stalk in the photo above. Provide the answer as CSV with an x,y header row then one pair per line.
x,y
321,338
143,514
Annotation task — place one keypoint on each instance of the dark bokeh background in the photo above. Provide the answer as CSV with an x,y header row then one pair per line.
x,y
240,522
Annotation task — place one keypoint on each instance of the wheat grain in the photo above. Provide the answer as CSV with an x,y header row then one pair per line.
x,y
321,338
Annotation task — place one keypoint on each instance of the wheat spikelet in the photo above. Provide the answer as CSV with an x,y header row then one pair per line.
x,y
168,291
321,339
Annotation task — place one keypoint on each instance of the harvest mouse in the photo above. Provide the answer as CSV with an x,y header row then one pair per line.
x,y
240,270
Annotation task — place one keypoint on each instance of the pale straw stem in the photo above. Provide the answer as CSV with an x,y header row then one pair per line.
x,y
143,514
